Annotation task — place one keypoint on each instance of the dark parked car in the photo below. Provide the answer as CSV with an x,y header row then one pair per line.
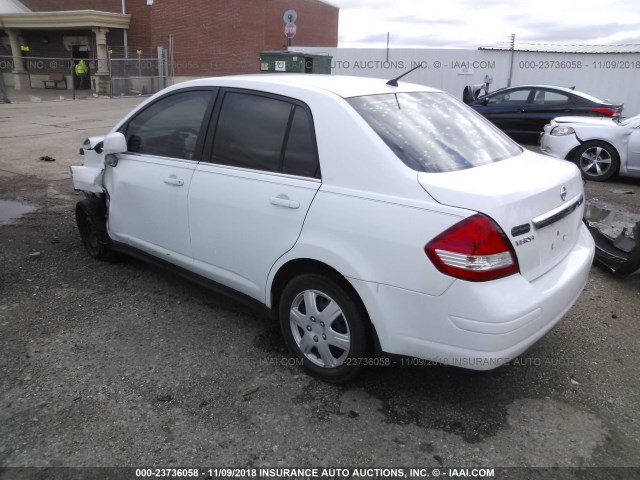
x,y
523,111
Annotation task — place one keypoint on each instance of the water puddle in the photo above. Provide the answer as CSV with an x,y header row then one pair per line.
x,y
11,211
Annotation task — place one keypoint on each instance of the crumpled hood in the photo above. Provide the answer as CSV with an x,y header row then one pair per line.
x,y
604,121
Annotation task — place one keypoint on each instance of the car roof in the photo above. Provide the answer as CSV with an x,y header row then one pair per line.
x,y
556,87
551,87
341,85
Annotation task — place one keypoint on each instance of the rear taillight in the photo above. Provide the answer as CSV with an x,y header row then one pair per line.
x,y
475,249
607,112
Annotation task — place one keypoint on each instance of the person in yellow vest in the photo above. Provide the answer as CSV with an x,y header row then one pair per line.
x,y
81,73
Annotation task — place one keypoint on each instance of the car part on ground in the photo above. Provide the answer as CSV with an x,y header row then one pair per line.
x,y
616,250
619,255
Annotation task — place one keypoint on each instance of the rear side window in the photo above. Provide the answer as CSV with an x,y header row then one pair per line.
x,y
265,133
433,132
170,127
546,97
299,154
510,97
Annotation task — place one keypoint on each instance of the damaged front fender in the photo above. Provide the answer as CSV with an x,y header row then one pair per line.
x,y
88,177
97,151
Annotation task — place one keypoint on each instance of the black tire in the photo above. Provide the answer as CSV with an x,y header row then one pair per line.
x,y
318,338
91,216
598,161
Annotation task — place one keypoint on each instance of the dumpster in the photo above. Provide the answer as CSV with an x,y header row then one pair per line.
x,y
294,62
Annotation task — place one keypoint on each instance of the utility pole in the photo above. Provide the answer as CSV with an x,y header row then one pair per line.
x,y
512,39
387,46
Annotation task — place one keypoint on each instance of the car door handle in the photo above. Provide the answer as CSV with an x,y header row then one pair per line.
x,y
284,201
172,180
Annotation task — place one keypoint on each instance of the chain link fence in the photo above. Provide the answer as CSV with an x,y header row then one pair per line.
x,y
123,73
137,71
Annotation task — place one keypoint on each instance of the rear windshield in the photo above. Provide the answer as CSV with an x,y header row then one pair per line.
x,y
433,132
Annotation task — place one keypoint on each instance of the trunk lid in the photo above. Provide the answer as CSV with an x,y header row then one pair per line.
x,y
537,201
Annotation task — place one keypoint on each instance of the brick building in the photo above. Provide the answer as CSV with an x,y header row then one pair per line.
x,y
200,37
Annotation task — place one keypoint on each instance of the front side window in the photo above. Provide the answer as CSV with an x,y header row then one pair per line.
x,y
265,133
433,132
170,127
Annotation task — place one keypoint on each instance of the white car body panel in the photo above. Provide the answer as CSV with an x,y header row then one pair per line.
x,y
234,210
513,192
158,187
624,138
391,232
462,327
368,218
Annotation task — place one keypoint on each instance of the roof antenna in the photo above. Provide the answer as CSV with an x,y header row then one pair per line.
x,y
394,81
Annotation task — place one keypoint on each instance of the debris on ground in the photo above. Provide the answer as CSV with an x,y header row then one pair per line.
x,y
617,236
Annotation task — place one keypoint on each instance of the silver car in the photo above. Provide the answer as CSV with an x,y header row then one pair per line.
x,y
601,147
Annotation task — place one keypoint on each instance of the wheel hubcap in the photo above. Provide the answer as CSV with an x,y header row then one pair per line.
x,y
595,161
320,329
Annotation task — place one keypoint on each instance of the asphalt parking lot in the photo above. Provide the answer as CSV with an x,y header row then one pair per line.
x,y
127,365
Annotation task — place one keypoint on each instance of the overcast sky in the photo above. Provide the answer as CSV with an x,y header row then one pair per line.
x,y
475,23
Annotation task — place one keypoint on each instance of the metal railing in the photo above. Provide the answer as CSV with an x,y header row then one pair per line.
x,y
137,75
123,76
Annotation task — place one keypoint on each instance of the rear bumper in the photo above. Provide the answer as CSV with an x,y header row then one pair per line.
x,y
479,326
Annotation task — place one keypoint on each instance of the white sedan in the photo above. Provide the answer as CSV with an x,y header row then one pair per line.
x,y
601,147
369,218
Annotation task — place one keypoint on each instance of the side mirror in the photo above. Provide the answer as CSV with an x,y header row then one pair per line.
x,y
114,143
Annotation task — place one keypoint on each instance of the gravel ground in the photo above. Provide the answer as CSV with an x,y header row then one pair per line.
x,y
127,365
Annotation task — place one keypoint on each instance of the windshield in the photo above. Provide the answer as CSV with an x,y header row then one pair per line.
x,y
433,132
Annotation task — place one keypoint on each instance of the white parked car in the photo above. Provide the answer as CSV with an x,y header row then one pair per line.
x,y
601,147
370,219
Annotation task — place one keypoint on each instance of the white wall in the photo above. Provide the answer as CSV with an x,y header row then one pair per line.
x,y
605,75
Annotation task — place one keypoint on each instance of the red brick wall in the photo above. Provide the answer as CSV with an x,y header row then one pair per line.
x,y
220,38
65,5
213,37
139,35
